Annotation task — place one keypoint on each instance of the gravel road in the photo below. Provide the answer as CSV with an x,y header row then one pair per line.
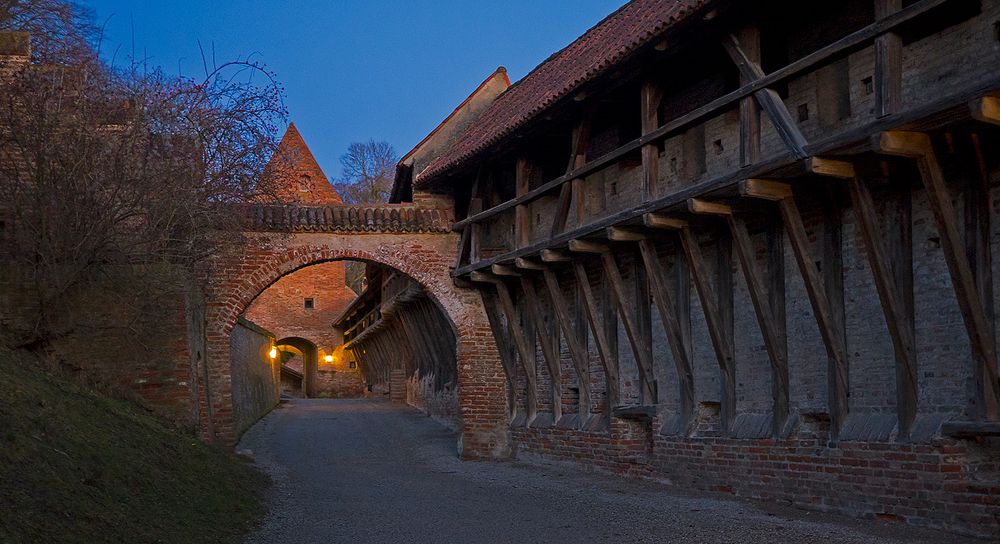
x,y
369,471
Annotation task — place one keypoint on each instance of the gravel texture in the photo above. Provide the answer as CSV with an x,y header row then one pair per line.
x,y
369,471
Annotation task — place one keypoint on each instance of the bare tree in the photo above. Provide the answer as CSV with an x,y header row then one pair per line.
x,y
369,168
114,185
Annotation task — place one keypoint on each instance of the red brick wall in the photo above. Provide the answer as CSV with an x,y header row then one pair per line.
x,y
945,484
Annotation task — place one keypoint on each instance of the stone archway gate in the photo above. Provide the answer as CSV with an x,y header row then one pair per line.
x,y
415,240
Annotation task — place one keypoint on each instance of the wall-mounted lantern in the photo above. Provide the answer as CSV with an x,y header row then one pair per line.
x,y
273,353
328,358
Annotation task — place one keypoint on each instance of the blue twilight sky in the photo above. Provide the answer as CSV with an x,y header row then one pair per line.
x,y
354,69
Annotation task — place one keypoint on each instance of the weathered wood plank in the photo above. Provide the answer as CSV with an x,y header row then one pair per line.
x,y
504,347
918,146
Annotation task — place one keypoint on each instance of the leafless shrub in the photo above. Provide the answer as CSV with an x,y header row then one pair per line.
x,y
115,184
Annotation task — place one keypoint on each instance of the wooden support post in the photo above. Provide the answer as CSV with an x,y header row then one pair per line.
x,y
571,192
608,356
652,94
710,307
774,341
504,347
815,288
893,281
522,217
888,63
525,349
768,99
577,346
679,343
918,146
549,339
637,339
986,109
749,40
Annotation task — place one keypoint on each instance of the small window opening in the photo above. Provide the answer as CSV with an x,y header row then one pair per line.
x,y
996,31
673,165
803,112
867,86
614,187
304,183
309,304
352,364
717,144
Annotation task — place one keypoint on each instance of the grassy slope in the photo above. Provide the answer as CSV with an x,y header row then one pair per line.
x,y
78,467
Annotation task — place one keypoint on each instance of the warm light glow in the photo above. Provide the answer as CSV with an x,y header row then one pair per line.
x,y
329,358
273,353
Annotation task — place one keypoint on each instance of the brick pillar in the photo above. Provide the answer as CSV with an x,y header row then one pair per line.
x,y
397,386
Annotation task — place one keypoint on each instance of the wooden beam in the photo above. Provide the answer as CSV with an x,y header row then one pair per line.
x,y
622,234
501,270
527,264
549,340
651,95
608,356
774,341
826,320
716,327
637,340
577,347
986,109
768,99
888,63
830,168
970,429
765,189
918,146
586,246
892,290
679,347
522,218
706,207
525,349
749,39
661,221
554,256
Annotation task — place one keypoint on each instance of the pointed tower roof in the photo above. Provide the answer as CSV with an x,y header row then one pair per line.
x,y
294,174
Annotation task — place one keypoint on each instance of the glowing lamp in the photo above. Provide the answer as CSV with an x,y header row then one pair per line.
x,y
328,358
273,353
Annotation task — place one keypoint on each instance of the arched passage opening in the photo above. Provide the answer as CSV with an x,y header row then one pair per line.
x,y
478,381
298,356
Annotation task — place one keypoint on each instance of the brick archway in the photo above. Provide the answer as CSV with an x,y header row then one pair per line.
x,y
426,257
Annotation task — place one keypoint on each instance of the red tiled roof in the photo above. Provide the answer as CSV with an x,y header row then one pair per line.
x,y
630,27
